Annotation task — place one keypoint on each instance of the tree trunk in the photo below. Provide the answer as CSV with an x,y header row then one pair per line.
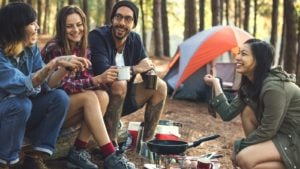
x,y
298,55
190,27
157,28
291,37
39,14
86,11
201,14
71,2
165,28
255,18
108,8
144,34
246,16
273,40
46,16
215,8
227,12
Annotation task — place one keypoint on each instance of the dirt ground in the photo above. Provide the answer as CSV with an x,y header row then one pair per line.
x,y
196,122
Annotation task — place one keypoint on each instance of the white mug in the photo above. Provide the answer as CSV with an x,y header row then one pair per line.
x,y
124,73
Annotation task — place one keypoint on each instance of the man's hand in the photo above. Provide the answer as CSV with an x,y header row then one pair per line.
x,y
109,76
144,65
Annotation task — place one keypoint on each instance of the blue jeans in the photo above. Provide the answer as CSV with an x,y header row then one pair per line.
x,y
39,118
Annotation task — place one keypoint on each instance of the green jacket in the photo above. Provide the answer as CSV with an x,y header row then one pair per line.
x,y
278,116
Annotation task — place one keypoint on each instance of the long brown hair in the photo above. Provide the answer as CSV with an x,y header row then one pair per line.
x,y
61,35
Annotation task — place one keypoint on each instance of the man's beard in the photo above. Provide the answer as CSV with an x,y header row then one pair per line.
x,y
122,36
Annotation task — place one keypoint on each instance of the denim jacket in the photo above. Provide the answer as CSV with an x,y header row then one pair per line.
x,y
15,77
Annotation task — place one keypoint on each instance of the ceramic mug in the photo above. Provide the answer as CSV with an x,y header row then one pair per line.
x,y
124,73
204,164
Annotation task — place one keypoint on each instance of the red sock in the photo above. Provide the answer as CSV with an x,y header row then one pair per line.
x,y
107,149
79,144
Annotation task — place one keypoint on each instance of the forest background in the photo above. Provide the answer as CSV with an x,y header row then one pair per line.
x,y
164,24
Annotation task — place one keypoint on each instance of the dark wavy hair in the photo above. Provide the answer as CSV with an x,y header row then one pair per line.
x,y
14,17
61,34
263,54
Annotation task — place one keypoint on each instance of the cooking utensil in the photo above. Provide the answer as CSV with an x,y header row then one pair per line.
x,y
166,147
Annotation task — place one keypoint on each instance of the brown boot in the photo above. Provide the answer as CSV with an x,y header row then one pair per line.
x,y
2,166
34,160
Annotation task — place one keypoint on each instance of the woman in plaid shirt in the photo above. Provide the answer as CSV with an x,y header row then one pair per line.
x,y
88,102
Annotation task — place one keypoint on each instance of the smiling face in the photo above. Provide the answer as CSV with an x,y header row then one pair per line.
x,y
122,23
245,61
31,33
74,28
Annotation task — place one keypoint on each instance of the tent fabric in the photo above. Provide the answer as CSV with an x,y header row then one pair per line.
x,y
200,49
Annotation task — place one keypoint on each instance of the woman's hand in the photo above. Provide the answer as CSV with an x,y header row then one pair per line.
x,y
210,80
109,76
72,63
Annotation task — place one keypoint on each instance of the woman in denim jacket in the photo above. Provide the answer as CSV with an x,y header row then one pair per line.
x,y
29,104
269,104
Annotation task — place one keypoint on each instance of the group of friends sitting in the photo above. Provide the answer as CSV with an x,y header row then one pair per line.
x,y
73,80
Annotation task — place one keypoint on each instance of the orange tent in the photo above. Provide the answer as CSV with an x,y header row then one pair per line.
x,y
202,48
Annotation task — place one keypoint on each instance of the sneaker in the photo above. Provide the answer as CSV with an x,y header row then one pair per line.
x,y
117,161
34,162
80,159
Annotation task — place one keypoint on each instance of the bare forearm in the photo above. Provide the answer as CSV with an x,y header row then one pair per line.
x,y
56,77
40,76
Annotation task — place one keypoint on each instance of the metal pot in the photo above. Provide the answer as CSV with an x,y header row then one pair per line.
x,y
166,147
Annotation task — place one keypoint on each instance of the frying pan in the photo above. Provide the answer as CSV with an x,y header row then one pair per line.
x,y
166,147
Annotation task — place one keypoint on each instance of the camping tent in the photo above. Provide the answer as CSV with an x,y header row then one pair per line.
x,y
187,68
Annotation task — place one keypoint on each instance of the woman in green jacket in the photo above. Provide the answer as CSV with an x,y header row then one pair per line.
x,y
269,104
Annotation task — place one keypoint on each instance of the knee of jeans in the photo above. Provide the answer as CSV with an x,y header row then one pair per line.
x,y
62,97
24,106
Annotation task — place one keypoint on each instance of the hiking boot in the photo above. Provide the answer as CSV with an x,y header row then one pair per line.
x,y
117,161
3,166
34,162
80,159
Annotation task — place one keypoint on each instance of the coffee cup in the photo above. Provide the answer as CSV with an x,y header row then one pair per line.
x,y
204,163
124,73
150,80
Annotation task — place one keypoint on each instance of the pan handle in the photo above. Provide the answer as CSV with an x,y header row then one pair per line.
x,y
198,142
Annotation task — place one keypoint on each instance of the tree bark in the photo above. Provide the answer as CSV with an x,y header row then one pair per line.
x,y
273,40
215,8
46,18
108,8
144,34
290,52
201,14
165,28
85,9
39,14
157,28
190,27
246,16
71,2
255,18
227,12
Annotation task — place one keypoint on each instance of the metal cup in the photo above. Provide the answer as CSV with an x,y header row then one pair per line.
x,y
150,82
